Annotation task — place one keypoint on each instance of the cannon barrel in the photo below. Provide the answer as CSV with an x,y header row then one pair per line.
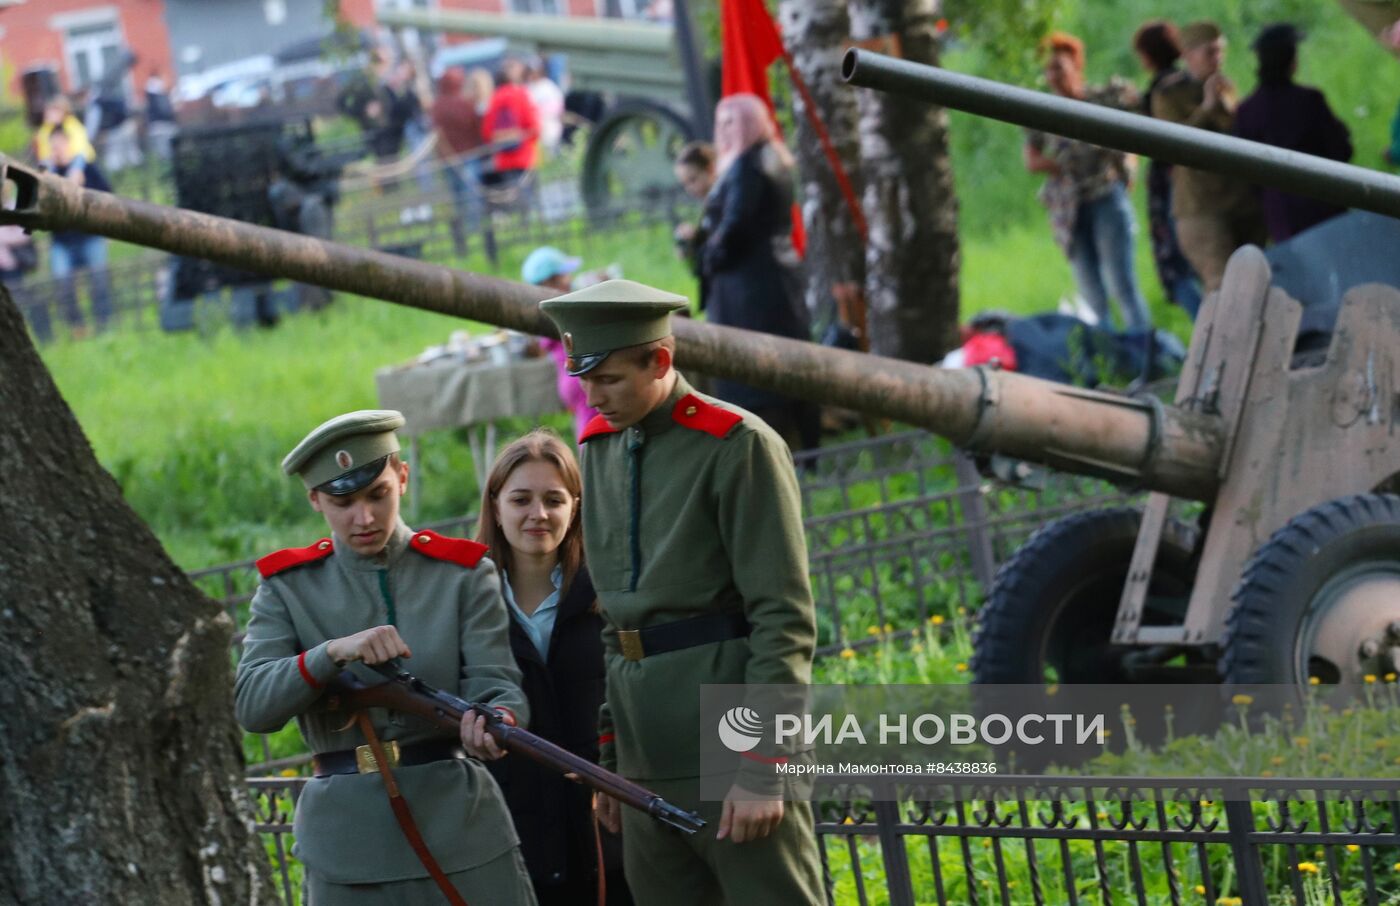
x,y
1135,441
1336,183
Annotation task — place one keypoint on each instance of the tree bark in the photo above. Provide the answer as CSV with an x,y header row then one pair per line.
x,y
911,281
815,32
120,773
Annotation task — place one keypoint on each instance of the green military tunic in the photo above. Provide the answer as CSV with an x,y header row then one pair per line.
x,y
695,511
445,600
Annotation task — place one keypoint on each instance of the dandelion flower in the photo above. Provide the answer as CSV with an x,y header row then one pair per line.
x,y
1201,889
847,653
1369,678
937,620
873,630
1308,868
1352,847
1276,760
287,772
961,668
1314,681
1390,677
1243,699
918,646
1301,742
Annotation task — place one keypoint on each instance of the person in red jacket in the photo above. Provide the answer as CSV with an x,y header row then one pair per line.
x,y
512,119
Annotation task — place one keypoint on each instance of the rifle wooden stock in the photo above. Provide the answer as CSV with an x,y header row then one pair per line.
x,y
410,695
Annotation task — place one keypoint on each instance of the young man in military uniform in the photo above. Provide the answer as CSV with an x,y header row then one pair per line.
x,y
693,533
373,591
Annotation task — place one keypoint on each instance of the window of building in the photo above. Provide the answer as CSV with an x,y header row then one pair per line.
x,y
625,9
538,7
92,49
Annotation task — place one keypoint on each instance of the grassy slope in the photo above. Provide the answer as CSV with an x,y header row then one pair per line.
x,y
193,425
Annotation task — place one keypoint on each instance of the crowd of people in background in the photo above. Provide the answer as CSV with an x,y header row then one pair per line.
x,y
489,132
1196,219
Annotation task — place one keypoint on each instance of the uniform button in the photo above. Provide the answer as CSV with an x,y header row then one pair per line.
x,y
423,539
689,410
323,545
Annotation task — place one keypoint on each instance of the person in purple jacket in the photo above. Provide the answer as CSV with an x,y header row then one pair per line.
x,y
1285,114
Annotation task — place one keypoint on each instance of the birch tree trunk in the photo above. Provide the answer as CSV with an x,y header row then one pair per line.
x,y
121,779
815,32
911,276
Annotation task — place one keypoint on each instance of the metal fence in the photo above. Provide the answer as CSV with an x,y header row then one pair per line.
x,y
1036,840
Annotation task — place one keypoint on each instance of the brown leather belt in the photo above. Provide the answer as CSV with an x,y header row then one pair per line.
x,y
679,634
361,760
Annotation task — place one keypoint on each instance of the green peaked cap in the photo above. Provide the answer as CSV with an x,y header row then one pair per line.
x,y
340,456
610,315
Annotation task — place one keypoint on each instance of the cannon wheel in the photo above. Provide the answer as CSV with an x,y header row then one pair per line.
x,y
1053,604
1321,598
631,152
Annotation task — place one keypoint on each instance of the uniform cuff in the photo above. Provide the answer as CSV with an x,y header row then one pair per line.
x,y
316,667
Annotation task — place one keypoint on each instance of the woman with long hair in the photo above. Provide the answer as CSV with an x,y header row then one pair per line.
x,y
749,267
530,521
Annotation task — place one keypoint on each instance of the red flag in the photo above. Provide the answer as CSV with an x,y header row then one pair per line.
x,y
750,45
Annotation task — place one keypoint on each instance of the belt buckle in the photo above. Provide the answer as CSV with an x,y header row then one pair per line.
x,y
631,642
365,761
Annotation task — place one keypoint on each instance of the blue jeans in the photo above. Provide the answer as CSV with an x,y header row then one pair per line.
x,y
464,180
71,254
1101,255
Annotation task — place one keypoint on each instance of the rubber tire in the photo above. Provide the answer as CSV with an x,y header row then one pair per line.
x,y
595,196
1037,589
1271,601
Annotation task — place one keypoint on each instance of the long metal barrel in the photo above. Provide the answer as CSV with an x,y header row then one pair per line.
x,y
1137,441
1337,183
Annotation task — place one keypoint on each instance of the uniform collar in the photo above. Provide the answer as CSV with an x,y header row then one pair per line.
x,y
660,418
398,543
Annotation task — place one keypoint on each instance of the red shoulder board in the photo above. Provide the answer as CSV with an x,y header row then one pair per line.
x,y
693,412
280,561
596,425
461,551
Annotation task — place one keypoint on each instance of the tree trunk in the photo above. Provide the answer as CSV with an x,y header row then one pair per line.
x,y
911,281
120,773
815,33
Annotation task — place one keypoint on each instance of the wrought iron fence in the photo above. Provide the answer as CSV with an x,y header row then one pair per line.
x,y
1037,840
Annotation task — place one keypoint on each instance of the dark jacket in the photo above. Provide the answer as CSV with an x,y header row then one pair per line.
x,y
748,264
1298,118
553,816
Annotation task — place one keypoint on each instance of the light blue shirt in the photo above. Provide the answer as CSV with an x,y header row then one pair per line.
x,y
539,626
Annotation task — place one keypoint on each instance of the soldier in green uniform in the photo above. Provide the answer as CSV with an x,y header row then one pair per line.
x,y
373,591
693,533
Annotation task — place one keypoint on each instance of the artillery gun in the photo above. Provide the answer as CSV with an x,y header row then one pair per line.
x,y
1293,570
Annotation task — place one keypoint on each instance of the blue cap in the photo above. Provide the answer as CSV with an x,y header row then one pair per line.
x,y
546,262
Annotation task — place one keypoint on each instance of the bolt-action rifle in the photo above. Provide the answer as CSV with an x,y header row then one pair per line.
x,y
407,693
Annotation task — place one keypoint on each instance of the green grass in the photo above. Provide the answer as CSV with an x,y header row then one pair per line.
x,y
193,425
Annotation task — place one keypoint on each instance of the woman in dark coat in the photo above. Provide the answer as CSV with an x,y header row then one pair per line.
x,y
748,263
530,520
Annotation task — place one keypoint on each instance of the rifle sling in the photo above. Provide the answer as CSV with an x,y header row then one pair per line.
x,y
404,816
